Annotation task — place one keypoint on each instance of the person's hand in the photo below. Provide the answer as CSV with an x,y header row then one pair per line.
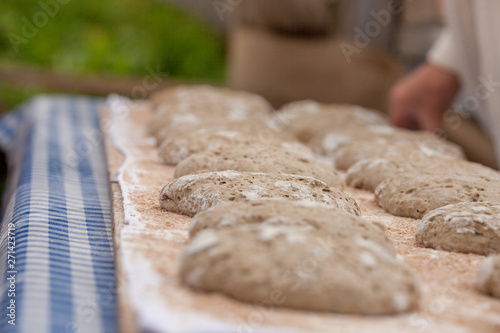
x,y
420,99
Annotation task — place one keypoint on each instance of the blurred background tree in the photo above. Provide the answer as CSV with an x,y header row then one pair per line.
x,y
119,38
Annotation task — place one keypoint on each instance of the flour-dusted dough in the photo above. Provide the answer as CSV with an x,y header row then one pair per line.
x,y
176,149
209,98
468,227
195,107
488,279
210,95
258,158
326,142
180,124
173,113
194,193
369,173
407,145
305,118
415,194
301,268
278,212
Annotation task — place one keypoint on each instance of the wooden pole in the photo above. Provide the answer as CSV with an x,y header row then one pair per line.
x,y
87,85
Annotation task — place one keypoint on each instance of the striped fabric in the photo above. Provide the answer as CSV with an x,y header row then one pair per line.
x,y
56,254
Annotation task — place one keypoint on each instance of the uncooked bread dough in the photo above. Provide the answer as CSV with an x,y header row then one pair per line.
x,y
180,124
468,227
258,158
300,268
194,193
210,96
407,146
191,108
369,173
168,115
326,142
278,212
176,149
305,118
415,194
488,279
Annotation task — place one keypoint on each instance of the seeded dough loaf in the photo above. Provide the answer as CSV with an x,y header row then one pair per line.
x,y
277,212
305,118
258,158
407,146
415,194
176,149
199,100
468,227
180,124
209,98
197,107
301,268
326,142
168,115
488,279
369,173
194,193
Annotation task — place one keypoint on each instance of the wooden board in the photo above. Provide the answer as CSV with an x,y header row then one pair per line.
x,y
149,242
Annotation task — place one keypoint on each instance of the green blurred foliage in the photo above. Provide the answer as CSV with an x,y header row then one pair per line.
x,y
110,37
12,96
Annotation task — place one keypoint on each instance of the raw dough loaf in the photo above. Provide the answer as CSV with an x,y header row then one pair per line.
x,y
194,193
256,158
406,146
182,123
171,113
300,268
176,149
277,212
369,173
488,279
211,96
415,194
305,118
327,141
468,227
191,108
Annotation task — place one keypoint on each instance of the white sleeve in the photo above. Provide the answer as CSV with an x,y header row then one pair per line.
x,y
444,52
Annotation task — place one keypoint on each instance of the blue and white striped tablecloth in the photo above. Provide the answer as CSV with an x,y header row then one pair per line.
x,y
56,253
